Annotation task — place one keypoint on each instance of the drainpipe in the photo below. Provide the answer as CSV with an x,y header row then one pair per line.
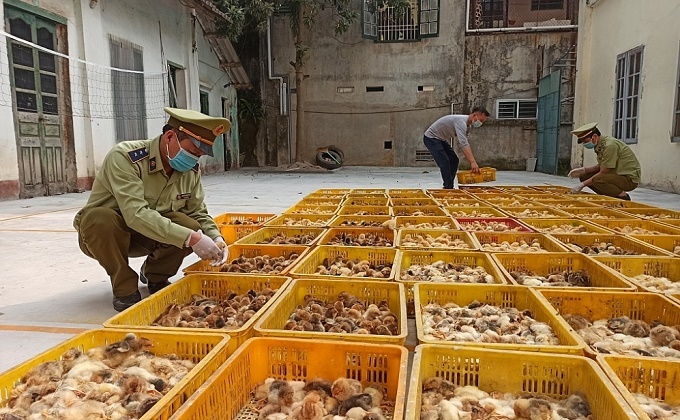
x,y
283,86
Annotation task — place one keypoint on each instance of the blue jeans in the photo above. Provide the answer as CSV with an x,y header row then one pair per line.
x,y
444,157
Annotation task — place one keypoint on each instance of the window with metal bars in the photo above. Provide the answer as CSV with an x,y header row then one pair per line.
x,y
383,23
627,100
547,4
129,103
676,115
516,109
205,104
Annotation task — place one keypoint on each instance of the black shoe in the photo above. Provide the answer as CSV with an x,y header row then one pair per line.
x,y
142,277
154,287
625,197
122,303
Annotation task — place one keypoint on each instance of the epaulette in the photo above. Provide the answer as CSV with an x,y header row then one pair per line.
x,y
195,168
138,154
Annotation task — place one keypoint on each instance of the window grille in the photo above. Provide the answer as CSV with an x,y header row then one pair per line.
x,y
383,23
626,103
129,107
516,109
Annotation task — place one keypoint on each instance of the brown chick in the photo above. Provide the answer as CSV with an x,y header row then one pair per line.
x,y
68,359
577,322
376,396
662,335
636,328
12,414
44,373
359,400
170,317
311,408
322,386
343,388
118,352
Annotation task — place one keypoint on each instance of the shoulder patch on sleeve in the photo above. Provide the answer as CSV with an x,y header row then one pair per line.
x,y
138,154
195,168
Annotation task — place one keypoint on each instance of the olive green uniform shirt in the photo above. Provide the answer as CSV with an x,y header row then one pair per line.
x,y
133,182
614,154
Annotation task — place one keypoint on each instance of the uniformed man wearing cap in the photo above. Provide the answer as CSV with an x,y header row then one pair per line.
x,y
147,200
617,171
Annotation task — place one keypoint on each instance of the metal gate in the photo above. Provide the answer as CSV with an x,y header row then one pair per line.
x,y
35,80
548,122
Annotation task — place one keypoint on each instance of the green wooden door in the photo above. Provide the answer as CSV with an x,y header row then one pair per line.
x,y
548,122
35,94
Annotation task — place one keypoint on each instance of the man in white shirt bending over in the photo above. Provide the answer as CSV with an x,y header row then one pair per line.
x,y
437,137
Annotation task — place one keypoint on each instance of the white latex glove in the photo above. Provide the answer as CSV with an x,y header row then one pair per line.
x,y
206,248
577,189
224,252
577,172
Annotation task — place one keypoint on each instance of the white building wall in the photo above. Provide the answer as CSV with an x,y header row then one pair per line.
x,y
612,27
165,29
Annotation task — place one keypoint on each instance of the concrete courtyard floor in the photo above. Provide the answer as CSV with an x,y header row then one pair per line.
x,y
50,291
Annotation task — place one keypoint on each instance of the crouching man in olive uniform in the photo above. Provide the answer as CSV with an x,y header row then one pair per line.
x,y
147,200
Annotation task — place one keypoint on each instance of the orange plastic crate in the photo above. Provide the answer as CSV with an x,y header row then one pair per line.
x,y
353,233
234,226
301,220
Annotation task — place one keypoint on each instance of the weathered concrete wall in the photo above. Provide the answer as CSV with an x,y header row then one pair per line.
x,y
361,122
465,70
509,66
612,28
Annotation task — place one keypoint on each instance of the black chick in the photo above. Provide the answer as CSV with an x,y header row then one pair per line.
x,y
319,385
360,400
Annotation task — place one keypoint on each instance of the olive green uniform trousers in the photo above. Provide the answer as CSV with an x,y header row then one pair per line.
x,y
611,185
104,236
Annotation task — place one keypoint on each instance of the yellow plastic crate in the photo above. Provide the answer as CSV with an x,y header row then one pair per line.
x,y
359,221
587,196
140,316
565,205
407,258
675,297
332,191
670,222
595,305
514,204
318,220
594,213
485,174
355,191
641,375
315,196
536,195
365,210
462,201
437,221
271,324
555,376
658,215
503,296
483,212
435,233
514,188
547,243
474,189
406,193
418,211
307,209
552,212
616,225
266,233
232,227
553,189
544,225
446,193
625,242
313,201
601,276
497,196
622,204
252,251
208,351
399,202
669,243
227,394
306,268
353,232
367,201
467,223
630,267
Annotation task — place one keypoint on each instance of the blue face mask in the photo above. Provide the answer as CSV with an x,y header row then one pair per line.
x,y
183,160
589,145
